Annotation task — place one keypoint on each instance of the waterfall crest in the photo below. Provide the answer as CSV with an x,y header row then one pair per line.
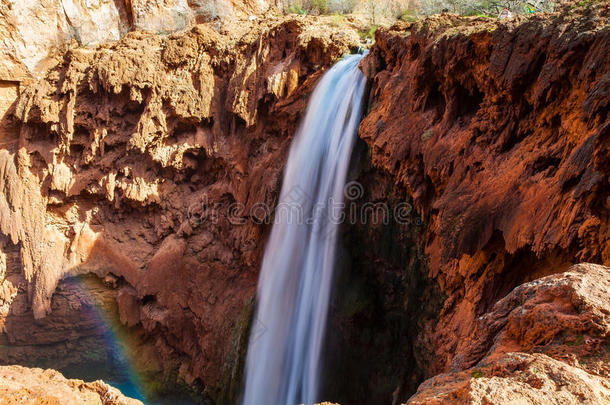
x,y
283,360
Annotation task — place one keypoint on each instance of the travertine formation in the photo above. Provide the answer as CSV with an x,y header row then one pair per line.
x,y
34,386
515,378
33,32
503,145
130,156
547,342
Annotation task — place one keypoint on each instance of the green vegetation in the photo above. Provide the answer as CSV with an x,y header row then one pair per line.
x,y
488,8
586,3
476,373
485,15
406,10
320,6
408,16
369,34
429,133
338,20
296,8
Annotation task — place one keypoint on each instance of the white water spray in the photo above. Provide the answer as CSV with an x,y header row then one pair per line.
x,y
283,361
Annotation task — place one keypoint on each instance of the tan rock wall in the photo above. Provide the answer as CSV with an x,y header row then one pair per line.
x,y
131,147
9,90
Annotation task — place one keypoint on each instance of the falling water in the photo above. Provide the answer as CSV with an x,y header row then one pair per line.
x,y
283,362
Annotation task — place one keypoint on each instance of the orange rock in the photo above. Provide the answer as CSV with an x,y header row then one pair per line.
x,y
506,161
563,316
544,343
34,386
515,378
155,149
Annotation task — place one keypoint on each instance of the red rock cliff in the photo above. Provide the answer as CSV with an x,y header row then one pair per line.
x,y
499,133
128,158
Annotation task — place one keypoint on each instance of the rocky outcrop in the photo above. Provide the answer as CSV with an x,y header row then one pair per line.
x,y
171,15
515,378
35,33
21,385
157,160
502,147
564,316
547,342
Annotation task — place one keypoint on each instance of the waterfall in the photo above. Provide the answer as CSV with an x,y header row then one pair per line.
x,y
283,360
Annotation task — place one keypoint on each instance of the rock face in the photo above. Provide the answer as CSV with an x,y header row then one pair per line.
x,y
515,378
502,143
157,160
171,15
21,385
35,32
547,342
564,316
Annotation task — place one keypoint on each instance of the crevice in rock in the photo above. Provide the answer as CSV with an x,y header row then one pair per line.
x,y
435,100
383,296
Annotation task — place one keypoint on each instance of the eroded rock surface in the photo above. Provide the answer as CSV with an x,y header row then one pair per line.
x,y
547,342
502,142
22,385
34,33
515,378
158,160
171,15
565,316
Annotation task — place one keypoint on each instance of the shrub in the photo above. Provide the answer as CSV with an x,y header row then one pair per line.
x,y
338,20
319,6
408,16
342,6
486,7
296,8
370,33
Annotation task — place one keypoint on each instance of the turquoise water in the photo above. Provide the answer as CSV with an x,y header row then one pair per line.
x,y
130,388
115,363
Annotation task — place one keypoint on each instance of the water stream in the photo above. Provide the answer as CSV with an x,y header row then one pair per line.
x,y
283,361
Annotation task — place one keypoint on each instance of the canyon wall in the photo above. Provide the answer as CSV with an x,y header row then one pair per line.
x,y
498,133
155,162
35,32
127,160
